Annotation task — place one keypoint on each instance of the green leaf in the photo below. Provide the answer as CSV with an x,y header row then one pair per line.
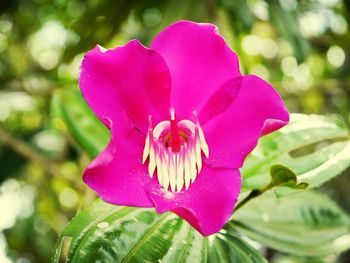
x,y
87,130
107,233
239,12
282,176
295,259
229,247
305,224
284,22
315,166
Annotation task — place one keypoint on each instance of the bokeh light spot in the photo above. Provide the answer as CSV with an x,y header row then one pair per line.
x,y
152,17
68,198
250,44
336,56
269,48
289,65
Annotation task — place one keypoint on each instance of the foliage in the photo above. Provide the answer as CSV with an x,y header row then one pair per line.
x,y
303,224
123,234
306,224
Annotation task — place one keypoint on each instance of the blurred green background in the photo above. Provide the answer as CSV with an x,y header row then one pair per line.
x,y
301,47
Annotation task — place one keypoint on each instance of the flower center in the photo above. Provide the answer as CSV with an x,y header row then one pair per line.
x,y
174,148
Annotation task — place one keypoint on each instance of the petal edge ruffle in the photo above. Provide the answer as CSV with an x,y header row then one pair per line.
x,y
257,109
117,174
199,61
130,78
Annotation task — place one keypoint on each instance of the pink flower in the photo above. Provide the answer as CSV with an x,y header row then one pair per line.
x,y
182,120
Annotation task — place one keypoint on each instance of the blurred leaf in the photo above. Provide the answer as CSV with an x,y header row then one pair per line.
x,y
84,126
315,166
283,258
239,13
305,224
100,22
288,27
109,233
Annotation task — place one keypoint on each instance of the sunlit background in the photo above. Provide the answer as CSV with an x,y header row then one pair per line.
x,y
301,47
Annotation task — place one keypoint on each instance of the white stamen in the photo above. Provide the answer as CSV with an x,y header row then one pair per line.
x,y
198,155
172,172
165,173
192,155
152,161
180,170
159,169
187,124
146,149
187,170
204,145
157,131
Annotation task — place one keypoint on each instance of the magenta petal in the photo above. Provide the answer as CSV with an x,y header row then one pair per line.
x,y
131,78
117,174
208,204
199,61
220,100
256,110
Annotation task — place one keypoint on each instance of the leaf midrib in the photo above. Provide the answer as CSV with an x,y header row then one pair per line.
x,y
104,218
144,238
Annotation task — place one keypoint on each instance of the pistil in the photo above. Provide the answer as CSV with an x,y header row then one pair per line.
x,y
174,132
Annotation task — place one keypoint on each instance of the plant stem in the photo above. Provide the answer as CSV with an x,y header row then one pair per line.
x,y
253,194
26,151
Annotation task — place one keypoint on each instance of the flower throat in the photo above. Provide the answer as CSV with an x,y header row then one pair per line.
x,y
174,150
